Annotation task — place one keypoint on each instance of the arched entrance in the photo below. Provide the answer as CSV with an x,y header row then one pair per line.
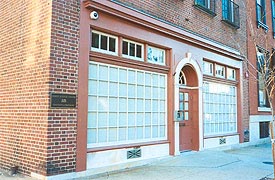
x,y
188,107
188,96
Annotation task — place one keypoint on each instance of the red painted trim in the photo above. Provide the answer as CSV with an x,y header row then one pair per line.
x,y
135,145
154,24
120,61
81,143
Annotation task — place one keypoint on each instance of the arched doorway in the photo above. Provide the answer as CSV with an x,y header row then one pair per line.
x,y
188,79
188,100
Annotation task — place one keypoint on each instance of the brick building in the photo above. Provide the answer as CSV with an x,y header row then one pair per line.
x,y
92,86
261,43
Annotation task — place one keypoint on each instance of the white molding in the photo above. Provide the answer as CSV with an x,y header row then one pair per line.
x,y
194,64
264,109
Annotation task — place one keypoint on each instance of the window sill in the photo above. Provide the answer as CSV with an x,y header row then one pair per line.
x,y
204,9
264,109
262,25
97,149
233,25
221,135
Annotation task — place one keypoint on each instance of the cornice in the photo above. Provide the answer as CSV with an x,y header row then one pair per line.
x,y
160,26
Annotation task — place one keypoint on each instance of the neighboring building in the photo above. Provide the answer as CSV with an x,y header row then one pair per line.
x,y
261,43
98,85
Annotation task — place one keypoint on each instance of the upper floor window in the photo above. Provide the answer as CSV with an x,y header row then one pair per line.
x,y
263,72
156,55
102,42
273,16
261,14
230,13
206,5
132,50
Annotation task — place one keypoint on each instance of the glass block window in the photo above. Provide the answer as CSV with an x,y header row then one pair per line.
x,y
132,50
156,55
231,74
220,108
220,71
125,106
207,68
105,43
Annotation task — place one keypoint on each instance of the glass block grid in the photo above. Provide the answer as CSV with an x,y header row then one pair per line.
x,y
220,108
125,106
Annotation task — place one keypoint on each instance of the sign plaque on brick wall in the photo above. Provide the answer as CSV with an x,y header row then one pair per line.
x,y
59,100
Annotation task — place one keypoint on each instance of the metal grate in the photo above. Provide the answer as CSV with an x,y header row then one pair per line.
x,y
222,141
135,153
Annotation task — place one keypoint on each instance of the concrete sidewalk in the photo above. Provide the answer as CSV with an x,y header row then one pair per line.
x,y
249,163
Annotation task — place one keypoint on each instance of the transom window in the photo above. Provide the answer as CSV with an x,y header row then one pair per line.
x,y
132,50
156,55
231,74
220,71
208,68
182,79
103,42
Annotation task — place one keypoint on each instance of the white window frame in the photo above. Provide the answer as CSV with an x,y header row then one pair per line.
x,y
208,68
220,109
160,50
219,68
229,72
94,108
133,57
101,50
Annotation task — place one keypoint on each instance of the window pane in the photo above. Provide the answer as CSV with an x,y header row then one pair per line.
x,y
112,44
139,51
132,49
95,40
104,42
102,135
125,47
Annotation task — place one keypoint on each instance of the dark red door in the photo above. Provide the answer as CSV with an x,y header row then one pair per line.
x,y
185,126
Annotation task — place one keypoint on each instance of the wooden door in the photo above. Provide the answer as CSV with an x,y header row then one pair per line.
x,y
185,126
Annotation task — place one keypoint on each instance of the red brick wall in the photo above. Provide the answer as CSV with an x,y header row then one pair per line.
x,y
259,37
184,14
38,55
24,83
61,146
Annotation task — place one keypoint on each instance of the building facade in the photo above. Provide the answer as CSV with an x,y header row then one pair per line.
x,y
95,86
260,36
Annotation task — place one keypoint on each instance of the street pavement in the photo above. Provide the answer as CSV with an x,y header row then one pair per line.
x,y
249,163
